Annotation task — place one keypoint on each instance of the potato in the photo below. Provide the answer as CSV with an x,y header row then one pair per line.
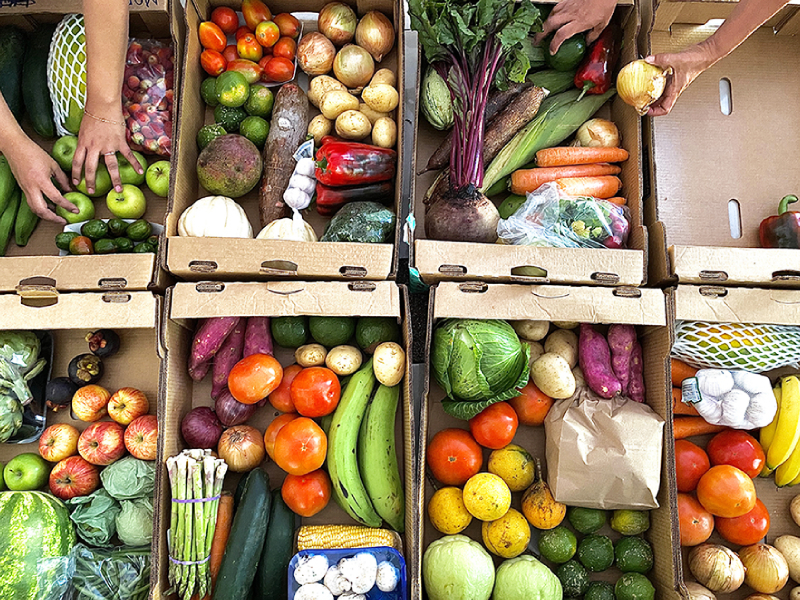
x,y
372,115
336,102
789,546
794,509
531,330
389,363
384,76
794,594
536,351
352,125
319,127
384,133
580,380
552,375
310,355
320,86
564,343
343,360
566,324
381,97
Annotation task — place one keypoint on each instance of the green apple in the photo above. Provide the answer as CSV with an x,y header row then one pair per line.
x,y
102,182
158,178
127,204
26,471
64,150
127,173
84,204
2,481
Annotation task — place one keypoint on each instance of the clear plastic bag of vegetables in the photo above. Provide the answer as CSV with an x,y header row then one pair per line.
x,y
546,219
119,574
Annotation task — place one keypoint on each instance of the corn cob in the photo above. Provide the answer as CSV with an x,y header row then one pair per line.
x,y
326,537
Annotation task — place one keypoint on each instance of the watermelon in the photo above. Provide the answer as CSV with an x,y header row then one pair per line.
x,y
36,539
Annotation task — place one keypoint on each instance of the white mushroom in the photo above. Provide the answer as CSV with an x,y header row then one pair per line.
x,y
335,582
311,568
387,577
352,596
361,571
313,591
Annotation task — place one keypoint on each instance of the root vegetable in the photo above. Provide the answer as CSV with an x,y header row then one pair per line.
x,y
794,509
336,102
717,568
789,547
389,363
580,380
208,339
698,592
319,127
321,85
531,330
536,351
794,594
384,133
462,215
343,360
380,97
315,54
353,66
594,357
765,567
353,125
230,353
310,355
372,115
384,76
564,343
553,376
621,339
566,324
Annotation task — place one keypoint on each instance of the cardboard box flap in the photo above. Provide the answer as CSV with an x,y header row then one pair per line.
x,y
737,305
204,300
545,303
700,12
76,6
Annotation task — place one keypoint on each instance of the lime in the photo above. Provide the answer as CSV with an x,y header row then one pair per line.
x,y
332,331
260,101
596,552
573,578
256,130
232,89
586,520
289,332
208,133
634,555
634,586
229,118
373,331
558,545
630,522
599,590
208,91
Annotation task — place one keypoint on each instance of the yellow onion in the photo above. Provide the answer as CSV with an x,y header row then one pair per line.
x,y
242,448
353,66
716,567
640,84
761,597
698,592
766,569
315,54
337,22
375,34
598,133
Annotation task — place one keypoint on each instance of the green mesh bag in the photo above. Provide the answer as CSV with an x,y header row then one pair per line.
x,y
66,74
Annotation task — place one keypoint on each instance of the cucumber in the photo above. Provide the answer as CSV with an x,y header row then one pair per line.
x,y
7,183
25,222
35,93
246,540
271,577
7,221
12,53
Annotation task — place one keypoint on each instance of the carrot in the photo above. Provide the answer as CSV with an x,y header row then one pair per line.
x,y
681,408
684,427
605,186
220,540
527,180
618,200
576,155
681,371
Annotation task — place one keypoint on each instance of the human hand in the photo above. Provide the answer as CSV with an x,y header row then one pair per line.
x,y
686,66
570,17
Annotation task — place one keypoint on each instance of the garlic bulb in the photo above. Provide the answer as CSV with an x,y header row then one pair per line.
x,y
716,567
698,592
640,84
598,133
766,570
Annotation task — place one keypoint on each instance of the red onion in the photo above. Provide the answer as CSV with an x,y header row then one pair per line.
x,y
232,412
201,428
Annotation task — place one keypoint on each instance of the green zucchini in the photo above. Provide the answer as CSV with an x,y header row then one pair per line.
x,y
12,53
35,93
8,185
25,222
246,540
7,221
271,577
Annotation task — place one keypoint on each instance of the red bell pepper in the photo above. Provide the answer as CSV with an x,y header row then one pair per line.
x,y
596,72
351,163
783,229
331,199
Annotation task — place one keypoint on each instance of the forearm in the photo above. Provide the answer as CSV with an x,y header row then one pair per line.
x,y
106,45
11,133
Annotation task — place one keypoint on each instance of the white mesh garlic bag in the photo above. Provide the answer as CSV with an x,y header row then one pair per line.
x,y
66,74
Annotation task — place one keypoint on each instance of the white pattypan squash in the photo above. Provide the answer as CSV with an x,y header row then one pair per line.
x,y
215,216
288,229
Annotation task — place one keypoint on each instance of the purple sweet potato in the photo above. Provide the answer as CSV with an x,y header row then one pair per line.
x,y
594,357
208,339
257,337
621,339
199,372
636,386
226,358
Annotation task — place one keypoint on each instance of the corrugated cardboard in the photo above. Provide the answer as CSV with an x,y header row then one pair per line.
x,y
39,260
179,394
642,307
438,261
701,159
232,259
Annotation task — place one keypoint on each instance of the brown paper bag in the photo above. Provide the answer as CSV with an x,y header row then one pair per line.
x,y
602,453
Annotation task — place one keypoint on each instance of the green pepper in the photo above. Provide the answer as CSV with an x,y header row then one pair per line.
x,y
569,55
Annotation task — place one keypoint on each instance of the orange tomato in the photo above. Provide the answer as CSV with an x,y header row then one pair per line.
x,y
531,406
226,19
285,47
454,456
495,426
231,53
300,446
726,491
306,495
278,70
696,523
213,62
211,36
254,12
691,463
315,391
748,529
267,33
288,24
272,431
281,398
254,378
249,48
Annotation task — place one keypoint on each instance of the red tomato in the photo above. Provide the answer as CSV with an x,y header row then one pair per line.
x,y
306,495
281,399
696,523
254,378
747,529
285,48
726,491
738,449
213,62
495,426
531,405
454,456
279,70
226,19
241,32
300,446
272,431
249,48
288,24
691,463
211,36
254,12
230,53
315,392
267,33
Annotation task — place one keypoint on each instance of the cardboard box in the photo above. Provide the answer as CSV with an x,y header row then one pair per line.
x,y
232,259
187,302
716,176
438,260
716,304
39,262
644,308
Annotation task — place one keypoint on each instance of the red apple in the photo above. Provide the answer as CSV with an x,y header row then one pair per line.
x,y
127,404
72,477
58,442
102,443
141,437
90,403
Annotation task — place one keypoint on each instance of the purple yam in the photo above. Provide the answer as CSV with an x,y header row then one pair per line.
x,y
621,339
226,358
258,337
594,357
199,372
208,339
636,387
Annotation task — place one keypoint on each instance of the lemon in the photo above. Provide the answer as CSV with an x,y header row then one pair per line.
x,y
487,496
513,465
447,512
507,536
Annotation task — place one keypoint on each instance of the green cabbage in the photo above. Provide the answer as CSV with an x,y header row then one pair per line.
x,y
456,568
19,362
525,578
135,522
129,478
478,363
